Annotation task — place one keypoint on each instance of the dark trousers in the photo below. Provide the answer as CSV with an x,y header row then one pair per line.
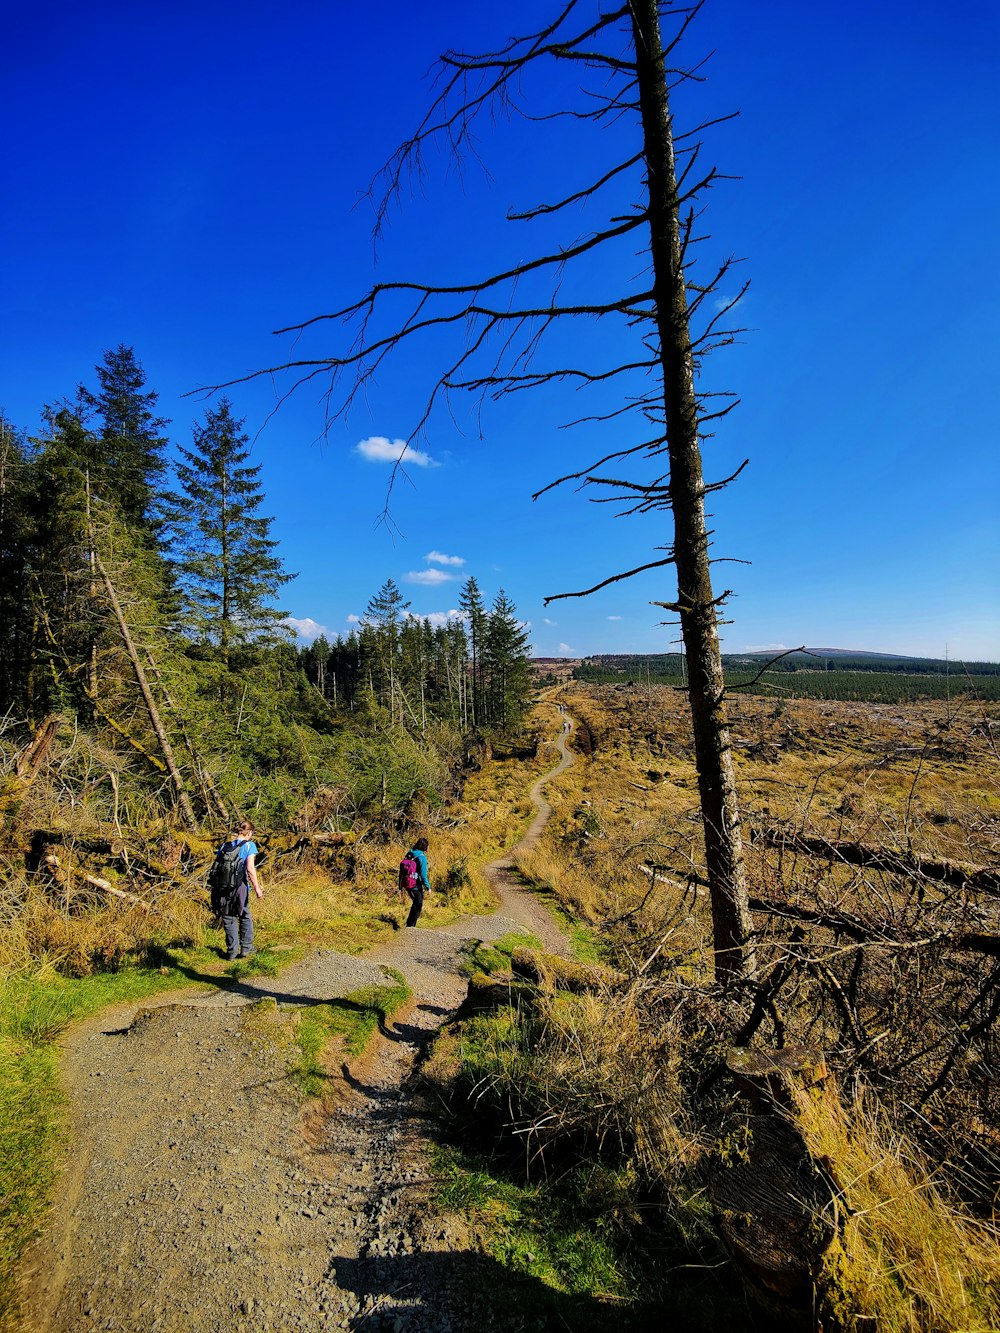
x,y
417,897
239,932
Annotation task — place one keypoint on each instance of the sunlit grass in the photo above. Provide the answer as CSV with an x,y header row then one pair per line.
x,y
353,1020
906,1257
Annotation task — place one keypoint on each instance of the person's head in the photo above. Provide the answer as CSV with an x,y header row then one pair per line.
x,y
245,829
420,845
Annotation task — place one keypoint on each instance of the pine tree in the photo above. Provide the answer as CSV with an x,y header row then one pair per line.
x,y
131,465
505,656
59,582
384,616
228,573
474,607
15,617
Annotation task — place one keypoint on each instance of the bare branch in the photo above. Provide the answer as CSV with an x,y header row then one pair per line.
x,y
615,578
575,198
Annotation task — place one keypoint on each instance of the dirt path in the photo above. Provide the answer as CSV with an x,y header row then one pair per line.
x,y
197,1197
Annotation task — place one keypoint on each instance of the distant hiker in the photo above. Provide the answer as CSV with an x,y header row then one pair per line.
x,y
413,878
233,874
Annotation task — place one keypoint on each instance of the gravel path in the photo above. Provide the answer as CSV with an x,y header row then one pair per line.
x,y
198,1196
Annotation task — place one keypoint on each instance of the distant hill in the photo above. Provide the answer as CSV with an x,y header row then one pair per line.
x,y
808,659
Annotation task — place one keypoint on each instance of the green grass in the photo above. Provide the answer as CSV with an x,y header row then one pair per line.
x,y
264,963
353,1019
562,1237
478,956
585,1250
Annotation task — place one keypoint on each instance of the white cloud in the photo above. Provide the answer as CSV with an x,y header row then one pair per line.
x,y
766,648
614,617
378,449
436,558
430,578
306,629
354,620
546,621
728,302
566,650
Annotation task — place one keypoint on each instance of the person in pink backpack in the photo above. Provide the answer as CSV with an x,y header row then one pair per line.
x,y
413,878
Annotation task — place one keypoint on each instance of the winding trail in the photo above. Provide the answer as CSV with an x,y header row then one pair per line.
x,y
199,1196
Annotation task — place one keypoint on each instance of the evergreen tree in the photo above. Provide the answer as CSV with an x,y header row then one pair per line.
x,y
384,617
505,654
472,604
131,466
15,617
59,580
228,573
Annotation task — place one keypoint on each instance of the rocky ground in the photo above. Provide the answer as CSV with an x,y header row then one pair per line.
x,y
199,1195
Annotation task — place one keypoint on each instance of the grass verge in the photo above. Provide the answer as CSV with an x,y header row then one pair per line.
x,y
353,1020
478,956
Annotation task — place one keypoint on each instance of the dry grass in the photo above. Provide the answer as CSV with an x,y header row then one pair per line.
x,y
902,776
906,1257
91,936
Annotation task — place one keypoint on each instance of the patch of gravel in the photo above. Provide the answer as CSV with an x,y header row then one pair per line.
x,y
200,1195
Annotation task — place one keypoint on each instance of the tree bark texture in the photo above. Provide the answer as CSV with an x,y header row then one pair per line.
x,y
696,605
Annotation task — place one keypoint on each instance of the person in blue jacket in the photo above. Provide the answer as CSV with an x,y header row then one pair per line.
x,y
419,853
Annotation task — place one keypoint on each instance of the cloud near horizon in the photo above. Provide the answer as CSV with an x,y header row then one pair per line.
x,y
438,558
766,648
379,449
306,629
566,650
429,578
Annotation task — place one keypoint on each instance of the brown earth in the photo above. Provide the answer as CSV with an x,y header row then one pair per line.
x,y
199,1193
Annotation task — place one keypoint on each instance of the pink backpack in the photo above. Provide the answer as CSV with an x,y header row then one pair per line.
x,y
409,873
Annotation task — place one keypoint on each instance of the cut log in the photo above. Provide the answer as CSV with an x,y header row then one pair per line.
x,y
304,841
883,858
770,1079
63,877
775,1211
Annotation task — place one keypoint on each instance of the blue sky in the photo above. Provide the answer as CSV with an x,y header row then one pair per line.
x,y
186,178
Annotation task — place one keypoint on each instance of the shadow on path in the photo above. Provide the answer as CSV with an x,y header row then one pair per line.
x,y
393,1291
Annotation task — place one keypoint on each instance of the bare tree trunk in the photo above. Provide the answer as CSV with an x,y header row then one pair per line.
x,y
183,800
696,604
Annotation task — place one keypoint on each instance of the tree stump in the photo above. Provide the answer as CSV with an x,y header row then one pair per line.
x,y
774,1080
775,1204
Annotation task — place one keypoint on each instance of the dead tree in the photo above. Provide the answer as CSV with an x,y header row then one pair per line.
x,y
500,321
177,782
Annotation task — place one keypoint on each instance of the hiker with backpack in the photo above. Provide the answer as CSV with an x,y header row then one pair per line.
x,y
233,874
413,878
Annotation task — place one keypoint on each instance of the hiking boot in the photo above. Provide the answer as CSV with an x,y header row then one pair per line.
x,y
249,953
